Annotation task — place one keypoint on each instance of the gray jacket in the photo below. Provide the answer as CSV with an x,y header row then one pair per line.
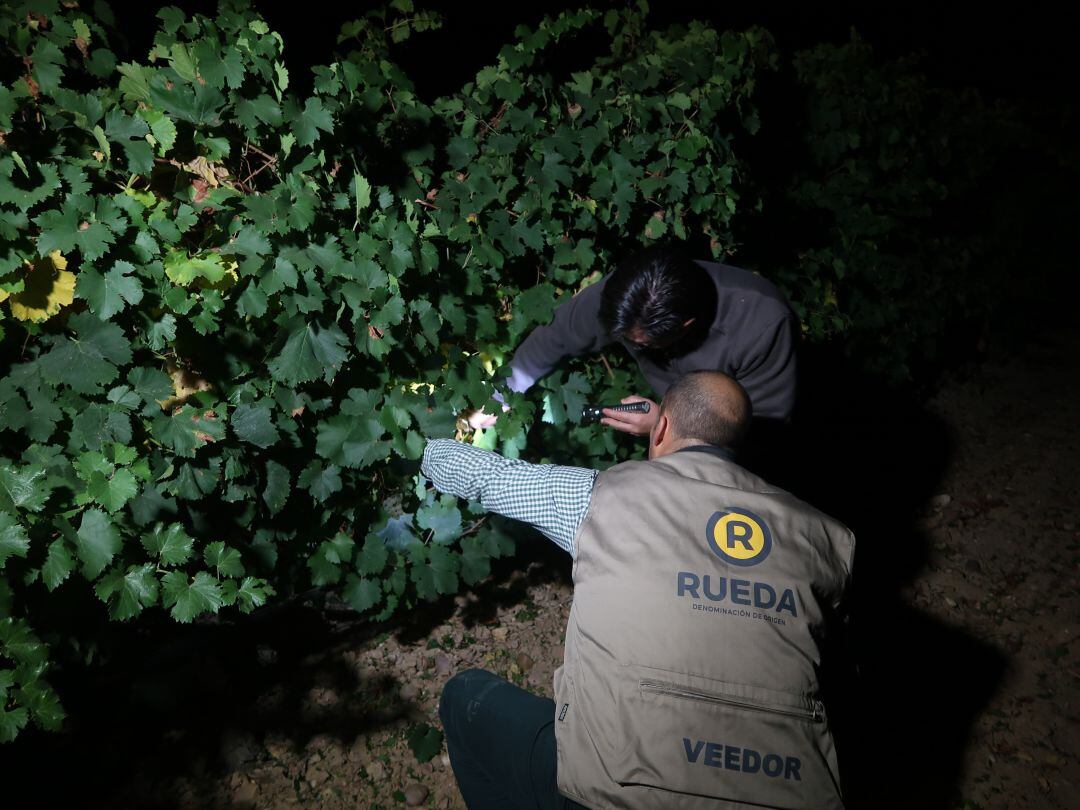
x,y
752,338
690,676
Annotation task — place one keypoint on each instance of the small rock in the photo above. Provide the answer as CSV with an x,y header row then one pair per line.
x,y
525,662
409,691
376,770
266,655
950,602
1068,526
415,795
939,502
246,794
500,633
278,749
973,565
442,664
445,759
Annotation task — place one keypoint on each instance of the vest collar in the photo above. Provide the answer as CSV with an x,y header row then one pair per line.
x,y
711,449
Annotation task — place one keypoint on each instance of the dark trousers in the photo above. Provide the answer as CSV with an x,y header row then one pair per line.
x,y
501,741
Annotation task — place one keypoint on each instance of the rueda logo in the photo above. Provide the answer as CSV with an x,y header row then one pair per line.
x,y
738,536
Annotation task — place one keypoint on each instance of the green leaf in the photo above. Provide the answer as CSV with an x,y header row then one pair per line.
x,y
112,490
350,441
135,81
308,122
361,193
58,564
372,556
13,539
151,384
424,741
109,294
8,105
310,352
536,304
12,720
161,333
171,545
326,562
88,361
128,593
63,230
97,542
161,127
442,518
190,598
252,424
277,487
249,242
361,593
183,269
226,560
321,480
24,487
434,571
188,429
575,395
251,594
475,561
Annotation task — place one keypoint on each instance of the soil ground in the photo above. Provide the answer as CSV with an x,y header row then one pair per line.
x,y
964,691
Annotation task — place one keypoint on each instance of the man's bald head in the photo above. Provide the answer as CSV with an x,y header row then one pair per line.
x,y
709,407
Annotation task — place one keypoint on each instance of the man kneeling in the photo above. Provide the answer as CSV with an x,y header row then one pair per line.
x,y
701,598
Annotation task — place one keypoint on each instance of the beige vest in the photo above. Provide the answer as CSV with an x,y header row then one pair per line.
x,y
692,650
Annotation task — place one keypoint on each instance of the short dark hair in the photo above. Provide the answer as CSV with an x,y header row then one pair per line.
x,y
708,406
656,290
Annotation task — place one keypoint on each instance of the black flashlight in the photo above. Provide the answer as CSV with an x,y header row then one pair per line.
x,y
594,413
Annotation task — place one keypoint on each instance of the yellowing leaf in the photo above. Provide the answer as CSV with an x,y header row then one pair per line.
x,y
226,281
49,287
210,172
209,270
186,383
144,198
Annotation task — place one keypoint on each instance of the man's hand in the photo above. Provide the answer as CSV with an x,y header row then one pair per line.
x,y
480,418
637,424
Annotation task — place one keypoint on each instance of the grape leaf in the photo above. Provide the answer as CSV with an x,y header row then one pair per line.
x,y
128,593
171,545
424,741
361,593
108,294
97,542
443,519
321,480
186,598
310,352
252,424
13,539
58,564
277,487
226,560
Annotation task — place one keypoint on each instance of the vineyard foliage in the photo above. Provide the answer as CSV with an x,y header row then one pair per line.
x,y
232,315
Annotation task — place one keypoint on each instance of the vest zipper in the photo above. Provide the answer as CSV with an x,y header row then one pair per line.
x,y
658,687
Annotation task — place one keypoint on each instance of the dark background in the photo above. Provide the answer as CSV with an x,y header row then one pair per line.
x,y
1015,50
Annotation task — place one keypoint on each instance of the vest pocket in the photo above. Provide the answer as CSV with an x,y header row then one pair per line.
x,y
725,741
813,712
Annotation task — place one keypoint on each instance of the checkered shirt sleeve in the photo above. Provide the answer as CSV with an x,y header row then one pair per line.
x,y
554,499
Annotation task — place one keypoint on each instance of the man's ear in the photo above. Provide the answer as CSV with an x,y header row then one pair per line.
x,y
662,426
